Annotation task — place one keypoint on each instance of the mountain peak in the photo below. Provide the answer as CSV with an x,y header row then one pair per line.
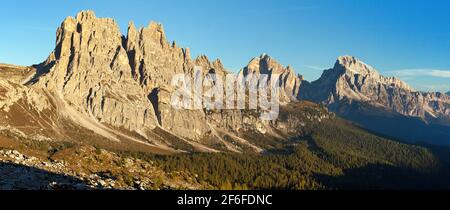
x,y
351,65
131,26
85,14
347,58
202,60
156,26
354,65
88,64
289,81
264,56
265,64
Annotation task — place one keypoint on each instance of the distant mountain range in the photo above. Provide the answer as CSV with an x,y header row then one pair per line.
x,y
386,105
118,88
99,89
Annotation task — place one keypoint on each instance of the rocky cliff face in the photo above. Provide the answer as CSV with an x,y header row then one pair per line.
x,y
119,87
105,81
351,80
386,105
154,62
289,81
89,72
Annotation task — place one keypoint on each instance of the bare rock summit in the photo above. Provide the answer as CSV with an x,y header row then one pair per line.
x,y
289,81
119,88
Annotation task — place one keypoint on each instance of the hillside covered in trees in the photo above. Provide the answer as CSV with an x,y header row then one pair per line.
x,y
331,155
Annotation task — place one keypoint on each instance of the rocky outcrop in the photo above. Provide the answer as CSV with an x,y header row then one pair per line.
x,y
12,91
289,81
386,105
120,87
80,169
154,62
351,80
89,71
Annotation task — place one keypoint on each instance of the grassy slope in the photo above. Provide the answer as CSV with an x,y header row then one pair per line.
x,y
333,154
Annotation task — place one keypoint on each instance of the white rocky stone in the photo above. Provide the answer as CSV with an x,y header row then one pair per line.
x,y
353,80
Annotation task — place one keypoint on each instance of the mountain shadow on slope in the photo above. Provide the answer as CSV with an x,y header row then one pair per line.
x,y
20,177
394,125
384,177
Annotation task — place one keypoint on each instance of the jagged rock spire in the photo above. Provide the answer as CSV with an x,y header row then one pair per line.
x,y
289,81
89,70
122,81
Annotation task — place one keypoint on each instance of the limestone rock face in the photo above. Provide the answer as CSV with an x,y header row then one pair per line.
x,y
352,80
154,62
112,83
289,82
89,70
102,85
12,91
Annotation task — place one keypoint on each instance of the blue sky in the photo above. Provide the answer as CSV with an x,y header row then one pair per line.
x,y
405,38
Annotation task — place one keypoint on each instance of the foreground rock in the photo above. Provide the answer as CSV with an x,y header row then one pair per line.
x,y
86,168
